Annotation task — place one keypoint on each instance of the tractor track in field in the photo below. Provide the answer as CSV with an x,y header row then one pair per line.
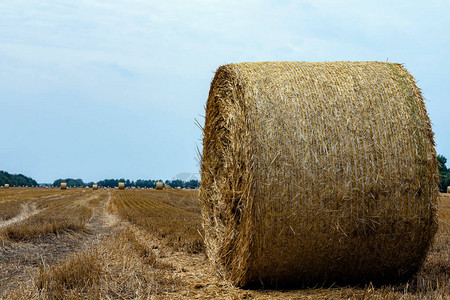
x,y
28,210
102,223
20,260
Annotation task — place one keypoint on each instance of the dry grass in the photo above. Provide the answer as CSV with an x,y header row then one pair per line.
x,y
120,265
120,268
172,215
56,213
128,262
11,209
80,273
432,281
12,201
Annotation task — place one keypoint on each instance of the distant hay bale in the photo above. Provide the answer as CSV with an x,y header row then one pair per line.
x,y
121,185
95,187
6,186
159,185
63,186
448,189
167,187
317,172
178,187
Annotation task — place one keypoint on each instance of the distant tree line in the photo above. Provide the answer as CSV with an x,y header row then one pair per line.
x,y
192,184
70,182
22,180
444,174
128,183
16,179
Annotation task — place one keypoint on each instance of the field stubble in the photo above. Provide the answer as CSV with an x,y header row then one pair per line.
x,y
154,251
172,215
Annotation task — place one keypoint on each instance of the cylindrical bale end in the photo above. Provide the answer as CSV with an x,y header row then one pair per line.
x,y
317,172
95,187
63,186
159,185
121,186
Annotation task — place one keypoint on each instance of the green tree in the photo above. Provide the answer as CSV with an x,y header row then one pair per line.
x,y
16,179
444,173
70,182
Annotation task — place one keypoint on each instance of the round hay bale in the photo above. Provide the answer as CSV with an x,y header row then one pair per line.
x,y
95,187
6,186
317,172
63,186
159,185
167,187
448,189
121,185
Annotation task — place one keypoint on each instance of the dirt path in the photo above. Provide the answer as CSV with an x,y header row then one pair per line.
x,y
101,219
28,210
20,260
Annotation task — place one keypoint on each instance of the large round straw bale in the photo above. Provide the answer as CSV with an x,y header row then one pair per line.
x,y
95,187
317,172
448,189
63,186
159,185
6,186
121,185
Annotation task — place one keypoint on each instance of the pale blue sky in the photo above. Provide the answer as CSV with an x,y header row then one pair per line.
x,y
108,89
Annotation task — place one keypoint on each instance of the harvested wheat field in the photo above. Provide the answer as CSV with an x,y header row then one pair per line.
x,y
147,244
